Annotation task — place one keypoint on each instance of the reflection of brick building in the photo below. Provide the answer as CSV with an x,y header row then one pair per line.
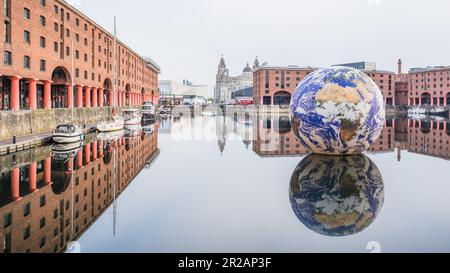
x,y
43,206
401,92
386,141
429,137
273,136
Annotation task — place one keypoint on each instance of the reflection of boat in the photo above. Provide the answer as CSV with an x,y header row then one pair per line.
x,y
336,195
417,116
110,136
111,124
132,118
67,133
132,128
63,152
64,148
420,113
428,118
148,111
149,129
438,118
439,112
133,133
208,114
417,113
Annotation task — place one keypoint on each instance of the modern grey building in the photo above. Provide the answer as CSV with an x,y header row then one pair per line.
x,y
370,66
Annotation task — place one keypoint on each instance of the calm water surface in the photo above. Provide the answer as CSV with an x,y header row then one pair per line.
x,y
243,184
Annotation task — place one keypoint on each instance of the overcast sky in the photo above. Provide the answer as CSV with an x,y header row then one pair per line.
x,y
187,37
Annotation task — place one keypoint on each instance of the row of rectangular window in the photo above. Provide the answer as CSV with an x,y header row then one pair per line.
x,y
27,15
434,93
77,20
435,80
42,20
8,60
27,39
7,218
434,86
429,74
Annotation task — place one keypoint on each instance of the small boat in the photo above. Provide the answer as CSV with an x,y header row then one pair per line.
x,y
67,133
165,110
132,118
111,125
439,112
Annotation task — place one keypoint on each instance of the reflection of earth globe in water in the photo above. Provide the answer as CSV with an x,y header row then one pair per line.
x,y
337,111
336,196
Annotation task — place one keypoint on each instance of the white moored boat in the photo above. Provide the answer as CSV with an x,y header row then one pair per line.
x,y
111,125
67,133
132,118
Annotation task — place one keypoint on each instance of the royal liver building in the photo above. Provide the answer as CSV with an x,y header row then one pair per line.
x,y
226,84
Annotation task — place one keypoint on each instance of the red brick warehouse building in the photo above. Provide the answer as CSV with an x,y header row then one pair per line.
x,y
36,72
275,85
429,86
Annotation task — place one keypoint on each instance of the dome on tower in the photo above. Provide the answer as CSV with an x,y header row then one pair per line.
x,y
247,68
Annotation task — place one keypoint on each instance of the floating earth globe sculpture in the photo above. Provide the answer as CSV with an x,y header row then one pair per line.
x,y
336,195
337,111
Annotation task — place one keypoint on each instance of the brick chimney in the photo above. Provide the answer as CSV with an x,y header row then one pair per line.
x,y
400,66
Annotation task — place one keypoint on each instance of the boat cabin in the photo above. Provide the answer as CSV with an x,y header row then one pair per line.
x,y
130,112
148,106
66,129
